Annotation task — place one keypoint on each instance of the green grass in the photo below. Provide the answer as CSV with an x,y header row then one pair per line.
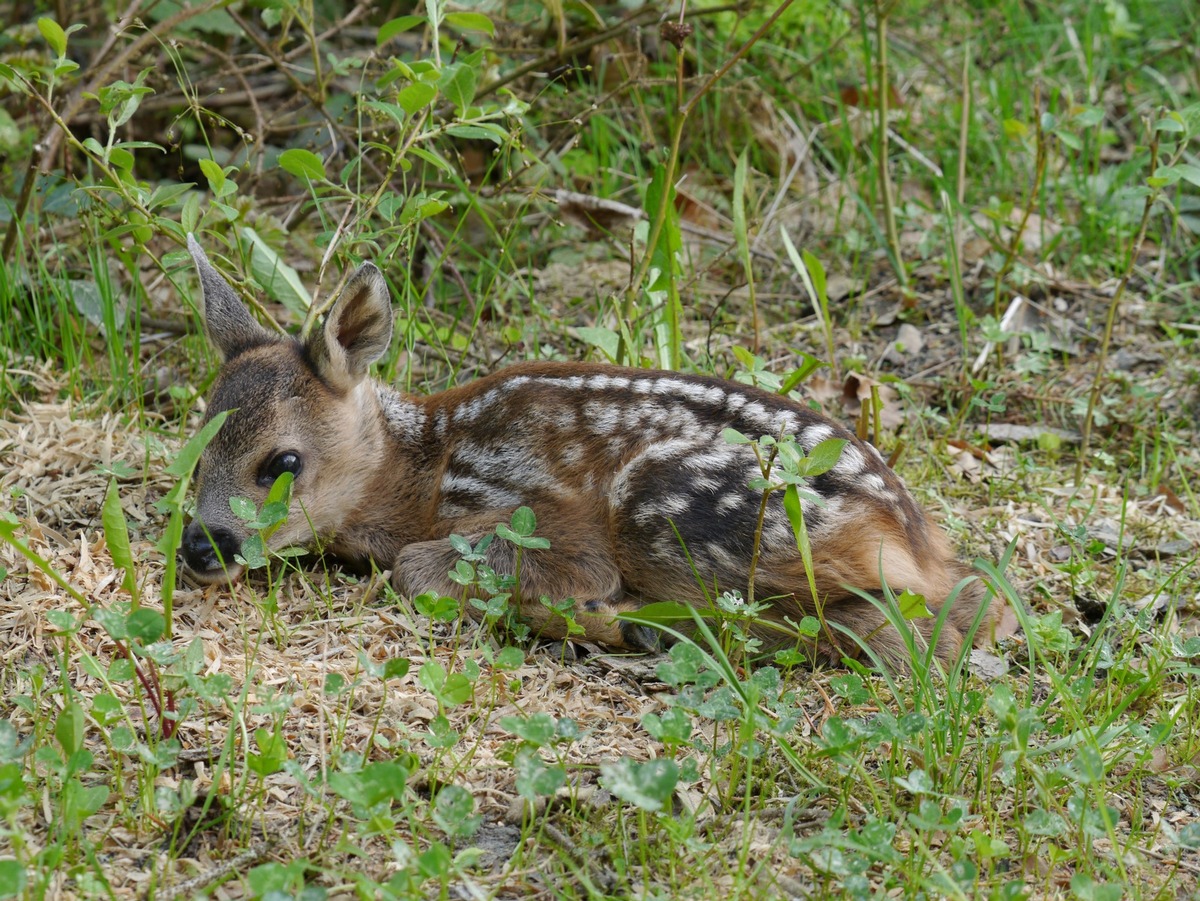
x,y
308,734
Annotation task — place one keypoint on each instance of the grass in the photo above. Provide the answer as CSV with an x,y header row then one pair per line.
x,y
308,734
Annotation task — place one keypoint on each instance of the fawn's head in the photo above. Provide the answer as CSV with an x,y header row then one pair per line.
x,y
304,407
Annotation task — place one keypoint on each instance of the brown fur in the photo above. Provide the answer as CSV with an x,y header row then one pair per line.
x,y
626,471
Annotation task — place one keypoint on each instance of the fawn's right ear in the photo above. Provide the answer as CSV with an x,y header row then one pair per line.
x,y
229,324
357,331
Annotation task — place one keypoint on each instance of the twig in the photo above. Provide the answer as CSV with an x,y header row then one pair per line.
x,y
1135,248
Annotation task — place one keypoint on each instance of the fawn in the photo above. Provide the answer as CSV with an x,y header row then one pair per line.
x,y
626,470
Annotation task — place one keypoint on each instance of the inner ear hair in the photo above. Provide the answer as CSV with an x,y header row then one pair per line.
x,y
358,329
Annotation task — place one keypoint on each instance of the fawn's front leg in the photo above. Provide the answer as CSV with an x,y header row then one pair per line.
x,y
579,564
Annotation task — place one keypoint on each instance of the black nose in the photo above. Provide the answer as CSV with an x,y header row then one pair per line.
x,y
209,557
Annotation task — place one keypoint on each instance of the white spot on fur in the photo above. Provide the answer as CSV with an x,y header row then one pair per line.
x,y
756,413
851,462
720,557
601,417
470,411
512,464
715,459
788,424
485,494
404,418
875,483
814,435
671,449
729,502
693,391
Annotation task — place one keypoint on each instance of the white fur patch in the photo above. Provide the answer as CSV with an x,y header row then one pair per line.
x,y
602,417
851,462
814,435
571,455
404,418
484,494
730,501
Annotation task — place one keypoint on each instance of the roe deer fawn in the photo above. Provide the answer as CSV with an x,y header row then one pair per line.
x,y
626,470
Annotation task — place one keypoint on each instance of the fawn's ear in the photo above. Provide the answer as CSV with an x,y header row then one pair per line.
x,y
229,324
357,332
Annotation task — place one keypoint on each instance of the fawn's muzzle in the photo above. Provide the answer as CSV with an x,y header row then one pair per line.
x,y
209,553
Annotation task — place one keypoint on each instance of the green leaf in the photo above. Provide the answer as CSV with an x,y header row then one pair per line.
x,y
279,280
54,35
454,812
458,85
810,365
817,273
395,668
185,461
912,605
509,659
121,159
432,158
672,727
663,613
116,536
645,784
534,778
12,878
450,689
281,490
470,22
739,207
69,728
537,729
443,608
733,436
524,523
145,625
302,164
272,752
393,27
795,512
482,131
215,175
607,340
824,456
243,508
167,194
80,802
391,110
1172,124
1187,171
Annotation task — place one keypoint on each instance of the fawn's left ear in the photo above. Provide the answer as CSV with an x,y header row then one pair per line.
x,y
229,324
357,332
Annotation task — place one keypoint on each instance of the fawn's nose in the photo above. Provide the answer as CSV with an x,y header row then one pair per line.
x,y
209,553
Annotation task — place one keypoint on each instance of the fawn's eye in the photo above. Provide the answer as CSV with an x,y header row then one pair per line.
x,y
287,461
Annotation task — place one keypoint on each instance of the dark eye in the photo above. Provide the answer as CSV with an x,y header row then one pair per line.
x,y
287,461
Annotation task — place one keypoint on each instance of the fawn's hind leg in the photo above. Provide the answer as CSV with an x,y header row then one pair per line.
x,y
579,564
